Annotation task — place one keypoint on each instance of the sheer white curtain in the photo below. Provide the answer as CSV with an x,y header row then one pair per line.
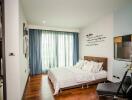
x,y
65,50
57,49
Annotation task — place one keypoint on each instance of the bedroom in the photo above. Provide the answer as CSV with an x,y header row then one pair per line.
x,y
61,34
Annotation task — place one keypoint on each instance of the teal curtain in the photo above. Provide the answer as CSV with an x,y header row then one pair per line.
x,y
35,47
57,49
50,49
75,48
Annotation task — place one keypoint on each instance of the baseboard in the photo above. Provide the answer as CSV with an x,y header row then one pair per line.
x,y
25,88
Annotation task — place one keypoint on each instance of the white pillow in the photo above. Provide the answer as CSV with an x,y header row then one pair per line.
x,y
87,66
100,66
79,64
96,67
101,69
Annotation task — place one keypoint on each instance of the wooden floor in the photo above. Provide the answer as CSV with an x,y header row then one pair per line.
x,y
39,88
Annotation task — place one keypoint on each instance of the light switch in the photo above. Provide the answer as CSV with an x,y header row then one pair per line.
x,y
11,54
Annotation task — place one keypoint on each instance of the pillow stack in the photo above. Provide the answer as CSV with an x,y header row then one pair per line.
x,y
79,64
89,66
97,66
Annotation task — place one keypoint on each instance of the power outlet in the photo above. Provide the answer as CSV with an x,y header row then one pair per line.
x,y
116,77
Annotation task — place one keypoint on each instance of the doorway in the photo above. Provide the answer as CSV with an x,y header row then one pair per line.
x,y
2,54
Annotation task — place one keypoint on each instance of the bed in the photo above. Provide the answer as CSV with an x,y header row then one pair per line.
x,y
71,77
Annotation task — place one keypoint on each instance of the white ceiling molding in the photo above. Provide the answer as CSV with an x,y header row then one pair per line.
x,y
52,28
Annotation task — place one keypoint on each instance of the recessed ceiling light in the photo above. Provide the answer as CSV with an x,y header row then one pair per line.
x,y
43,21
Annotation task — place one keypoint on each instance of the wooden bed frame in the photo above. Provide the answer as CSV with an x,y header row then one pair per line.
x,y
96,59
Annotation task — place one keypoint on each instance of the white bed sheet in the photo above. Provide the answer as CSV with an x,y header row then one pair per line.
x,y
100,75
65,77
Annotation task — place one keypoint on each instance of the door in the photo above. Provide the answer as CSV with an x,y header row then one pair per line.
x,y
2,54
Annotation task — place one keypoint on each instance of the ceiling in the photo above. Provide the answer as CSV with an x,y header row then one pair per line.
x,y
68,13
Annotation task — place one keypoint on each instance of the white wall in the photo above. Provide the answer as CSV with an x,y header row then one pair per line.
x,y
123,20
16,66
12,46
24,66
118,24
122,26
104,49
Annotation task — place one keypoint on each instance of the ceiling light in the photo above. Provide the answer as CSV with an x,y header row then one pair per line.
x,y
43,21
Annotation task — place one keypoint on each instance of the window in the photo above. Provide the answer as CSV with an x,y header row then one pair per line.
x,y
57,49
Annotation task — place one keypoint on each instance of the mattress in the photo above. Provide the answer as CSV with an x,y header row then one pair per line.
x,y
66,77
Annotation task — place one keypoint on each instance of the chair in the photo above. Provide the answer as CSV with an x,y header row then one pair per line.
x,y
122,89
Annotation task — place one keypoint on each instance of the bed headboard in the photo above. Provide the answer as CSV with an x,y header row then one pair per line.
x,y
97,59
